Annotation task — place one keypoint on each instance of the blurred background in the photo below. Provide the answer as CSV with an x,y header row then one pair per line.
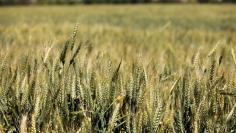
x,y
27,2
123,30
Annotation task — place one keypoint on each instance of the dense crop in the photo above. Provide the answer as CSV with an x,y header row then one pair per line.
x,y
119,80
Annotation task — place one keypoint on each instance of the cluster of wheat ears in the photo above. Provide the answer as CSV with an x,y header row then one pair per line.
x,y
59,92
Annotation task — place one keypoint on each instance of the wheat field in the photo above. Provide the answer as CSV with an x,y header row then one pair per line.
x,y
118,68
